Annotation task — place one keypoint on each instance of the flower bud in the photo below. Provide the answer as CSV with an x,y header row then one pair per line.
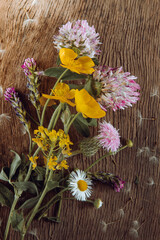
x,y
129,143
98,203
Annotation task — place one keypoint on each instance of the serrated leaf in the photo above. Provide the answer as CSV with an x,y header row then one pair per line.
x,y
57,71
14,165
82,128
3,175
6,196
27,186
17,221
51,185
30,203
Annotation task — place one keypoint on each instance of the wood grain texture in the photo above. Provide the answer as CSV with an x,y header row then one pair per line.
x,y
130,34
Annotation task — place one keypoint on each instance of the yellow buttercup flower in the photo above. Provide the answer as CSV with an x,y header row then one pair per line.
x,y
34,161
62,93
87,105
81,65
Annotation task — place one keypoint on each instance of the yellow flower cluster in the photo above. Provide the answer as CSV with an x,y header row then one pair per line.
x,y
34,161
46,139
54,165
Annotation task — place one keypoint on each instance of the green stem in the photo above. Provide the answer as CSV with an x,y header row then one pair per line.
x,y
16,198
48,204
30,142
37,205
10,215
38,115
45,106
55,117
32,118
30,166
106,155
70,123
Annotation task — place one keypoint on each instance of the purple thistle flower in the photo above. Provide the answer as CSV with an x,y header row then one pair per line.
x,y
117,88
29,66
78,34
108,137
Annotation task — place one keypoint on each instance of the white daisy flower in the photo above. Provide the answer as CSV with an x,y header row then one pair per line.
x,y
80,185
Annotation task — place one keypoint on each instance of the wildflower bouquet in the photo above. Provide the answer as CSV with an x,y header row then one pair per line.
x,y
81,94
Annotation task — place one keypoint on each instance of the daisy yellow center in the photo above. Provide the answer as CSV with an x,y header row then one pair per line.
x,y
82,185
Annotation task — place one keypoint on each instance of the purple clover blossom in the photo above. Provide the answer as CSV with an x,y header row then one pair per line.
x,y
29,66
118,89
80,35
108,137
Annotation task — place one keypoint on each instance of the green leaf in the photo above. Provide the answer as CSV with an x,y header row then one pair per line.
x,y
57,71
51,185
6,196
52,219
3,175
76,50
30,203
96,61
14,165
58,60
17,221
76,86
81,127
92,122
88,86
27,186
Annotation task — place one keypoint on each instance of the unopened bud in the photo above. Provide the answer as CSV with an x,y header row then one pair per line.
x,y
98,203
129,143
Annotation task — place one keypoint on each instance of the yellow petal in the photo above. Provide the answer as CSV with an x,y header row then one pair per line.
x,y
86,61
87,105
66,55
43,100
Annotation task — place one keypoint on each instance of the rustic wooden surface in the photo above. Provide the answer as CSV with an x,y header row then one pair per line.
x,y
129,31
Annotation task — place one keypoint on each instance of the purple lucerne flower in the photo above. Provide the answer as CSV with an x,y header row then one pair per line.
x,y
29,66
117,88
10,94
78,34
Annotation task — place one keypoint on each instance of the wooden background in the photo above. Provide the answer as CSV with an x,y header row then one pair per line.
x,y
129,31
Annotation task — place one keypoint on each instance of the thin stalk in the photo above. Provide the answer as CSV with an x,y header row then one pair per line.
x,y
10,215
105,155
38,115
55,117
32,118
70,123
45,106
48,204
30,142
